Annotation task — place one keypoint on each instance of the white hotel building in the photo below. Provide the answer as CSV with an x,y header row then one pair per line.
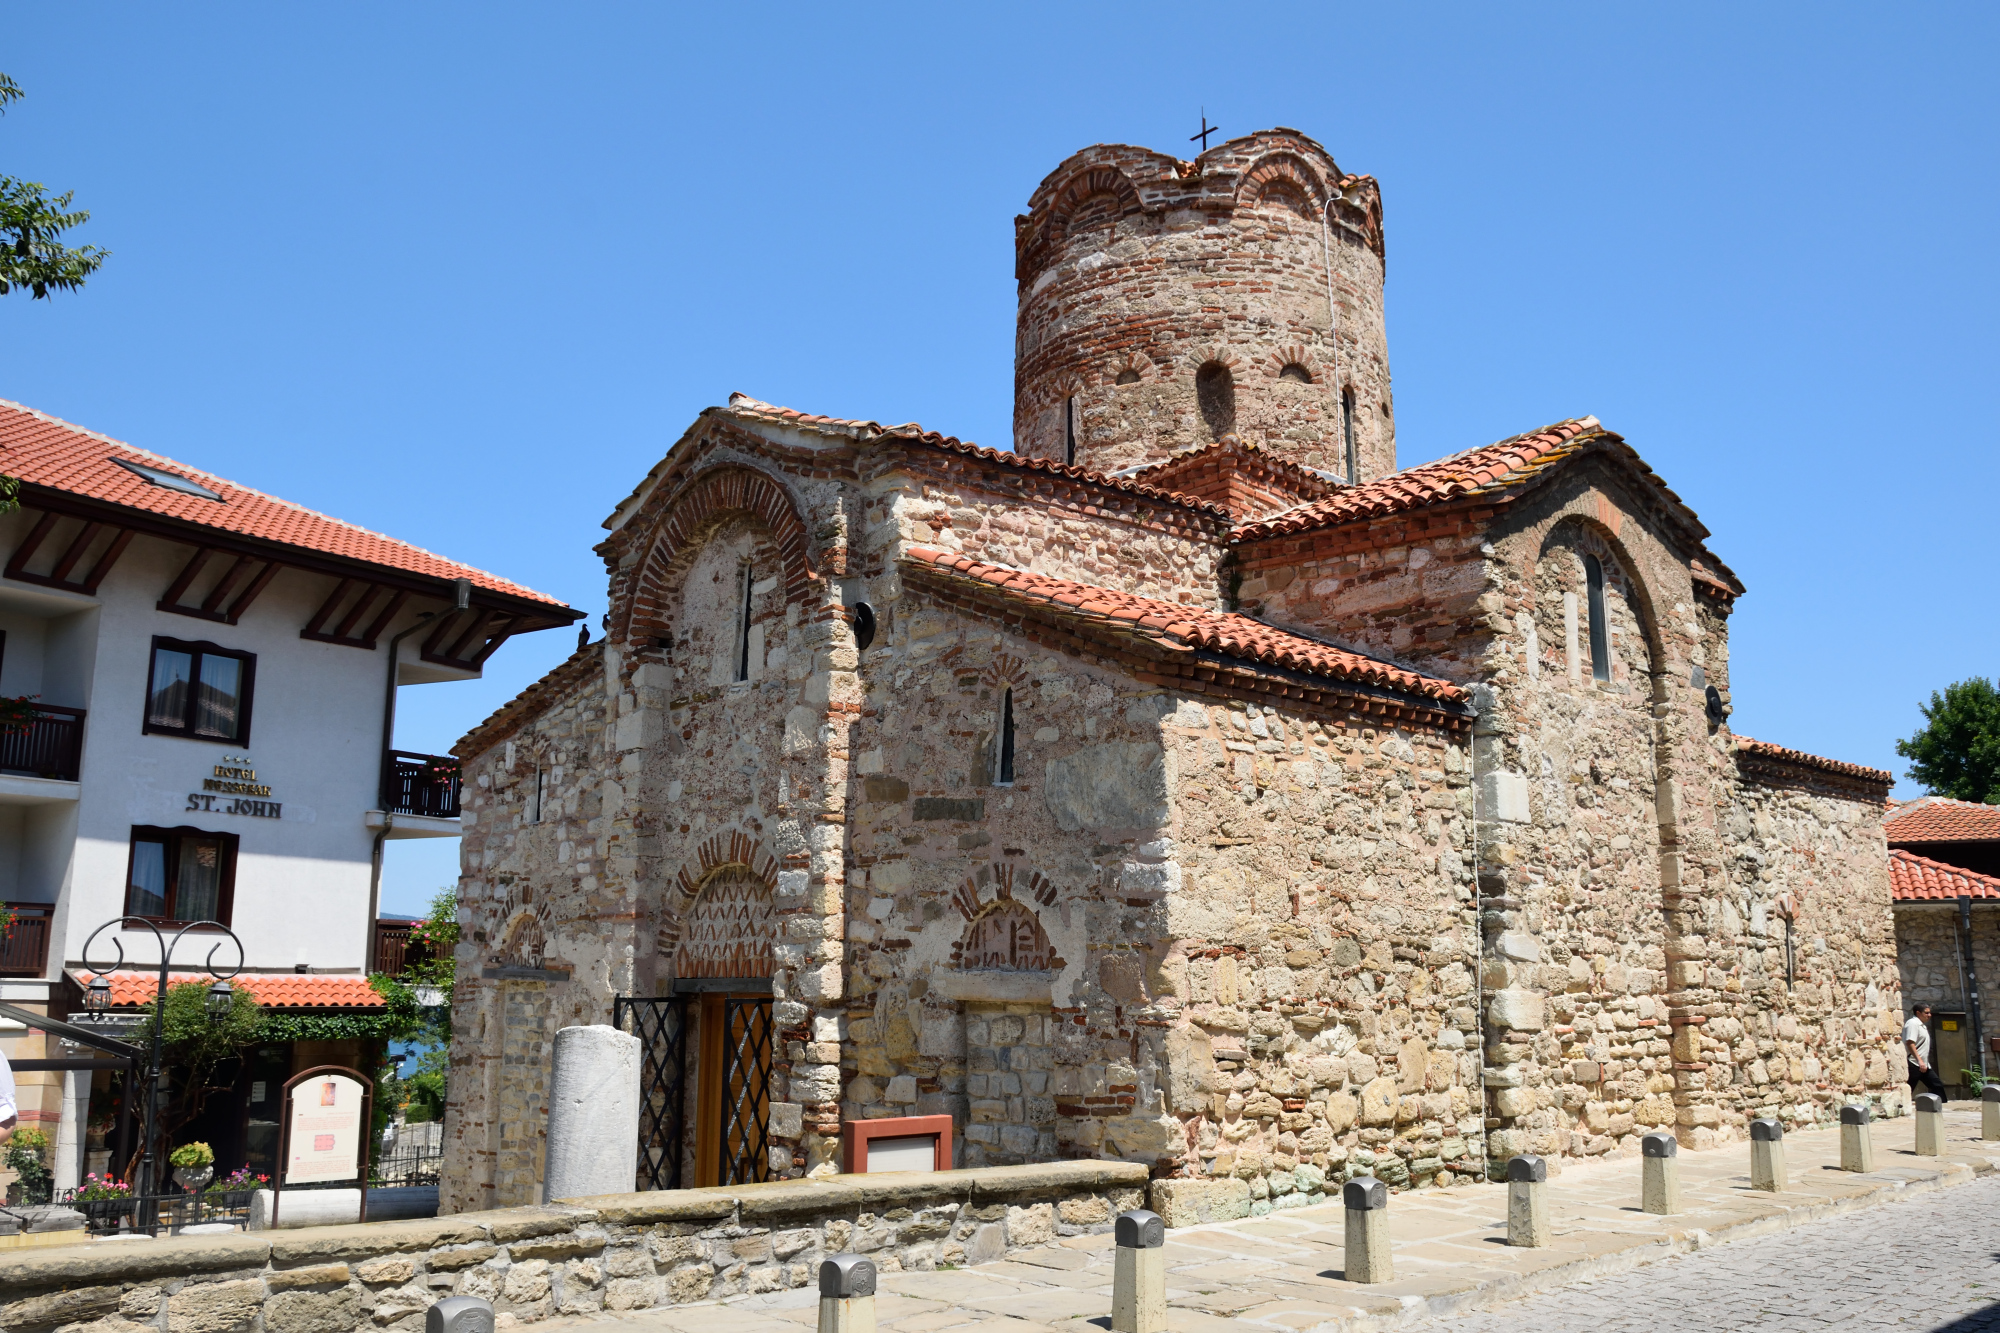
x,y
209,672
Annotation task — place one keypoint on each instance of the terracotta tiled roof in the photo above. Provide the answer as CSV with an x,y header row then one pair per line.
x,y
1766,750
43,451
1242,476
743,405
1492,468
1941,819
1915,879
1187,627
281,990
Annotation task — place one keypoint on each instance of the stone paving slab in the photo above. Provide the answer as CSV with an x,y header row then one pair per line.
x,y
1283,1272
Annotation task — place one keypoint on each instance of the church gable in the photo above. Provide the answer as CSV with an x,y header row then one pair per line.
x,y
1247,481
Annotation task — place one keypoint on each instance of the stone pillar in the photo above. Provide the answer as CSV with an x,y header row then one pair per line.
x,y
1930,1125
1767,1155
459,1314
1989,1112
1367,1201
1660,1180
1139,1273
69,1144
846,1294
1528,1201
594,1099
1857,1151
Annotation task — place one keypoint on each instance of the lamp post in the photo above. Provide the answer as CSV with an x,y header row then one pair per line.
x,y
97,999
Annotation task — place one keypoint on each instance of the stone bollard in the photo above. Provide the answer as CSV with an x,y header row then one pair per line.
x,y
1527,1201
1857,1151
846,1294
1930,1125
1367,1201
1660,1179
459,1314
593,1134
1767,1155
1139,1273
1989,1112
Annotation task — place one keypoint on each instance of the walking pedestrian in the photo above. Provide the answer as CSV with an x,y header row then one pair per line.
x,y
1917,1041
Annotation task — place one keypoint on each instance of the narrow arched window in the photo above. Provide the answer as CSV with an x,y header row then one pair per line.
x,y
1347,435
1215,395
1600,638
743,628
1003,763
1069,430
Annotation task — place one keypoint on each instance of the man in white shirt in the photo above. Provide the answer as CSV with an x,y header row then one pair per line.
x,y
10,1114
1917,1042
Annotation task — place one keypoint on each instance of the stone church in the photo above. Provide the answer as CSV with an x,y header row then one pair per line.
x,y
1188,784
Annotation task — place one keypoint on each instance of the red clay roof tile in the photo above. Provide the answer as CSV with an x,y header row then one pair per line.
x,y
1942,819
41,450
1769,751
743,405
284,990
1914,878
1190,627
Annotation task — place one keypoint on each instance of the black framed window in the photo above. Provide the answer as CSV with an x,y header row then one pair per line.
x,y
181,874
200,690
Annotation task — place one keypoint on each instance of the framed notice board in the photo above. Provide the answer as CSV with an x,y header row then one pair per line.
x,y
325,1112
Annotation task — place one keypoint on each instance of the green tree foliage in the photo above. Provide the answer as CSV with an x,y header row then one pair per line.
x,y
200,1050
419,1091
1957,753
32,221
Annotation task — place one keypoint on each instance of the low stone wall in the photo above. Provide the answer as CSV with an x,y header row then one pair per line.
x,y
617,1252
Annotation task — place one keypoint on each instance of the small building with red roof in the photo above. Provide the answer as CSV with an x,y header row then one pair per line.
x,y
196,694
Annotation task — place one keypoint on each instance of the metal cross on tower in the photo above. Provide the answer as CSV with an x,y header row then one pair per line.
x,y
1206,130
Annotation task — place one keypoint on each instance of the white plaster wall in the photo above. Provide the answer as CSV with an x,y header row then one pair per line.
x,y
302,880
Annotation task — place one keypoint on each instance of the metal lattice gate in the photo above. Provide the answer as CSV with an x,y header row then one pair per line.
x,y
746,1086
661,1025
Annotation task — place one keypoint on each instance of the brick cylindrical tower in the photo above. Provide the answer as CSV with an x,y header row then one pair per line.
x,y
1166,303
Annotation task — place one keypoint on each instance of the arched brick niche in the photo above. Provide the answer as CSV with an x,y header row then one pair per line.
x,y
705,503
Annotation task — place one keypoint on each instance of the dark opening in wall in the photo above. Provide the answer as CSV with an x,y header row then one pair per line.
x,y
1003,769
1127,376
1295,372
1215,395
1600,639
1347,434
1069,429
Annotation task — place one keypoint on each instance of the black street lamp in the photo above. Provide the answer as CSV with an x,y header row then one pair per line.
x,y
97,999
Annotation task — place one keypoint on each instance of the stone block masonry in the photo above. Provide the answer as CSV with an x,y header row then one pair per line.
x,y
579,1256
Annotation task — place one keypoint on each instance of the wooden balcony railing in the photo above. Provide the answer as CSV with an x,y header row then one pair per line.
x,y
24,945
50,747
393,950
420,784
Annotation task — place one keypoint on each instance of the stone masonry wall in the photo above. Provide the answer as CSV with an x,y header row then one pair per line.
x,y
1800,1040
1136,271
1930,958
616,1253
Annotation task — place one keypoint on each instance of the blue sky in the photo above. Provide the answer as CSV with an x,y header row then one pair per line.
x,y
462,273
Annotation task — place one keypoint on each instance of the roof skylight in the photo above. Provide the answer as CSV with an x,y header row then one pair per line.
x,y
173,481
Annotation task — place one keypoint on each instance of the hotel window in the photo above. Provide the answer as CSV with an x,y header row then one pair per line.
x,y
181,874
200,690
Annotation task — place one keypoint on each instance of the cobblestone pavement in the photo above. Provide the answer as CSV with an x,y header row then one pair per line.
x,y
1931,1262
1898,1248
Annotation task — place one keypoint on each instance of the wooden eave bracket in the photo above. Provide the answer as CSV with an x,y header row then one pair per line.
x,y
384,602
63,573
232,594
